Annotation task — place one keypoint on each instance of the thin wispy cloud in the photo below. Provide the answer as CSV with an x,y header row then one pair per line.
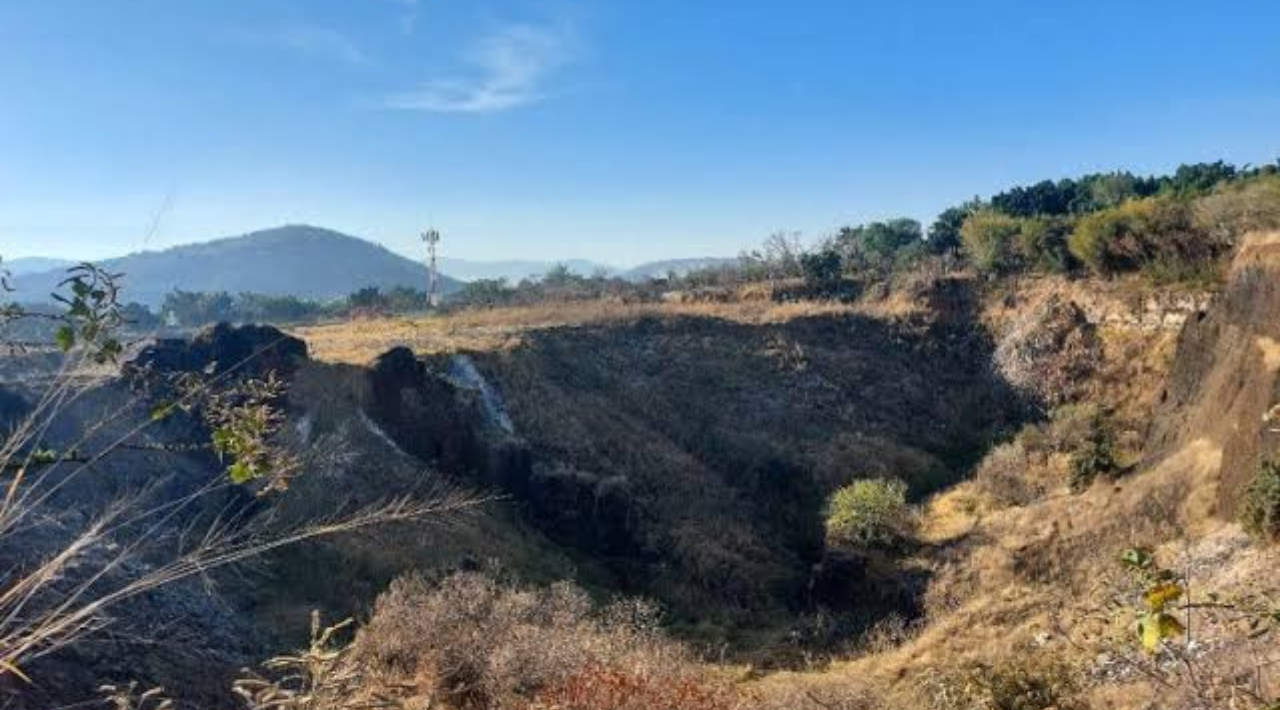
x,y
314,41
511,68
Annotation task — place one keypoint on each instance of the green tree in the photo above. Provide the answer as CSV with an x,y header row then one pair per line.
x,y
944,233
1043,198
822,269
1201,177
878,244
487,292
560,275
369,298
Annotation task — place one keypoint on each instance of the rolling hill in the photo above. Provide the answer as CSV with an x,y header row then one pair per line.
x,y
298,260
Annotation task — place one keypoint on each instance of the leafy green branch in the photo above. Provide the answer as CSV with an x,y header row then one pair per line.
x,y
244,420
91,314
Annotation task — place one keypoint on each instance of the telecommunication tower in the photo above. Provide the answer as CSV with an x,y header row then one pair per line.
x,y
432,238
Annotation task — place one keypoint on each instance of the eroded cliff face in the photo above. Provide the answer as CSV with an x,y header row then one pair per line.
x,y
1225,374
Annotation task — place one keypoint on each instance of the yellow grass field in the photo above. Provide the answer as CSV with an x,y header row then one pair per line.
x,y
360,341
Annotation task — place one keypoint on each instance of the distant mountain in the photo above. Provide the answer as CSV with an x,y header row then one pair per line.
x,y
34,264
515,270
297,260
660,269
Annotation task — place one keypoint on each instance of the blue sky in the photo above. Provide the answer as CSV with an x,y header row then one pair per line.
x,y
618,130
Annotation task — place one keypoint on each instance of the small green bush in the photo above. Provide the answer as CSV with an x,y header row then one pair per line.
x,y
1114,240
1260,512
1094,455
869,513
991,240
1042,244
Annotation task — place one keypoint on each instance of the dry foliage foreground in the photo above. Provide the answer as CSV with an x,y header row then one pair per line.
x,y
472,641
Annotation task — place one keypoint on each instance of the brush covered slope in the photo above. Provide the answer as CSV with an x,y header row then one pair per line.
x,y
686,452
1027,581
695,454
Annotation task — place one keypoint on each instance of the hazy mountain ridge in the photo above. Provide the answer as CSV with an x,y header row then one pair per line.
x,y
518,269
34,264
514,270
660,269
298,260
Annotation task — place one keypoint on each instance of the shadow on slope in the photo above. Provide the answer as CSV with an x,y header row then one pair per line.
x,y
694,455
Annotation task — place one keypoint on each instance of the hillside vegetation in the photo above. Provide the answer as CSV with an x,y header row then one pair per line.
x,y
1023,459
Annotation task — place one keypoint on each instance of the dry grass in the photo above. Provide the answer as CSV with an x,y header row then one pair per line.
x,y
491,329
478,642
1026,581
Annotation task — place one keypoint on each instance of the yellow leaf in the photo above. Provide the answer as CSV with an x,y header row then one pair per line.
x,y
1156,627
1159,596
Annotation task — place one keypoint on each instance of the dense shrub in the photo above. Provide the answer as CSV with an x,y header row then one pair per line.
x,y
1260,511
1041,244
1095,455
869,513
822,270
1113,240
990,240
1160,236
485,643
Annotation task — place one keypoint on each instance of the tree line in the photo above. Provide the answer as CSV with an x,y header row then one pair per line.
x,y
1171,228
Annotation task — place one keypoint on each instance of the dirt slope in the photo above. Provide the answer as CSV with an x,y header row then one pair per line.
x,y
1225,376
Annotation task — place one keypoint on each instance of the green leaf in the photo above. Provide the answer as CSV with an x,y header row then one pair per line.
x,y
1136,557
162,411
65,338
240,472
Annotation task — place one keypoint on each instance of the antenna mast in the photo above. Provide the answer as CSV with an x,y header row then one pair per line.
x,y
432,238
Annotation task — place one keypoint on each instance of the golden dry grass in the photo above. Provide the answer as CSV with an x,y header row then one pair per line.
x,y
1020,570
488,329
